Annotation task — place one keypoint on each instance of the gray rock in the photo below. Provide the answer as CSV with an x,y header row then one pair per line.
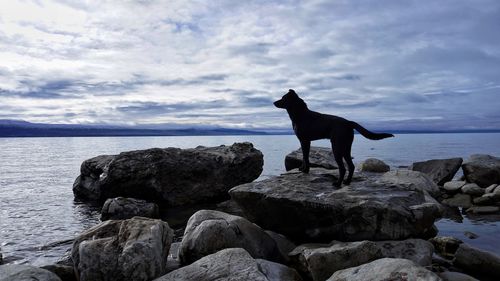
x,y
173,176
484,170
385,269
374,165
459,200
446,246
481,210
320,261
417,250
285,246
209,231
454,186
234,264
17,272
456,276
440,170
412,180
65,272
120,208
318,157
490,188
487,199
472,189
477,261
133,249
305,207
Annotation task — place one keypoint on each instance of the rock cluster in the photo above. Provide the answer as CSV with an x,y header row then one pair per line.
x,y
126,208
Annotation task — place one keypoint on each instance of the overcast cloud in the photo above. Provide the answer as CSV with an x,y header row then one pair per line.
x,y
388,64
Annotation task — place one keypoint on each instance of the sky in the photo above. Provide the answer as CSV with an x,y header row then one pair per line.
x,y
384,64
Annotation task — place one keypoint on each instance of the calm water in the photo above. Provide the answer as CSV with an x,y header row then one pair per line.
x,y
36,177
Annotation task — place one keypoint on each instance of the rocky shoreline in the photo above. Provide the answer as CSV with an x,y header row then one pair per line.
x,y
293,226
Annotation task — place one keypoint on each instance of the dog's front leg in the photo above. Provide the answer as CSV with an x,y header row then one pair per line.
x,y
306,146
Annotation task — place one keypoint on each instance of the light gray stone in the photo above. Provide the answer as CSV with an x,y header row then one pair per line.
x,y
454,186
133,249
374,165
440,170
474,260
482,169
320,157
234,264
209,231
171,176
17,272
320,261
459,200
385,269
120,208
472,189
490,188
305,207
412,180
487,199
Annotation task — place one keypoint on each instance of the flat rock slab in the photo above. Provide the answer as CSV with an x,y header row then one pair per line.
x,y
17,272
305,207
171,176
477,261
318,157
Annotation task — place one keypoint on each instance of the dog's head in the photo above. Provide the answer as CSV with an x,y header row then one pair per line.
x,y
290,101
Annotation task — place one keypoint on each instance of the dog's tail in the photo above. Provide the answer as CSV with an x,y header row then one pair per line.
x,y
370,135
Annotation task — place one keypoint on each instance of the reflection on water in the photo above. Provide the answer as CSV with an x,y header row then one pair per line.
x,y
37,210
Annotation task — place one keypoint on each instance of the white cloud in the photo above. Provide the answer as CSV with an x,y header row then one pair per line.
x,y
373,61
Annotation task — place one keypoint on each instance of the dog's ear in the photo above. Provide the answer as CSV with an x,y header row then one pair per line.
x,y
291,91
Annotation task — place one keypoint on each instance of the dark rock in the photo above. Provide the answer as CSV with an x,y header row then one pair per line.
x,y
209,231
305,207
484,170
470,235
284,245
66,273
440,170
232,264
374,165
446,246
477,261
472,189
385,269
320,261
459,200
173,176
120,208
417,250
17,272
490,188
481,210
456,276
318,157
133,249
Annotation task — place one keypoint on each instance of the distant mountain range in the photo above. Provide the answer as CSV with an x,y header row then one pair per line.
x,y
20,128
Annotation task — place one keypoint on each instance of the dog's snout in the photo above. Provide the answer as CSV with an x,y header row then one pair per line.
x,y
278,103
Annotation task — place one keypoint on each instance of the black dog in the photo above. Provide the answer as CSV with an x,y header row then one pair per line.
x,y
309,125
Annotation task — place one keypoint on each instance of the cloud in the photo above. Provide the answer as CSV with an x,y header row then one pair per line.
x,y
216,62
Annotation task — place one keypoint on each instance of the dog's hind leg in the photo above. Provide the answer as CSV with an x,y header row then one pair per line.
x,y
337,153
348,159
306,146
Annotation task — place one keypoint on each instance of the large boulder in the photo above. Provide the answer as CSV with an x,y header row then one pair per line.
x,y
305,207
133,249
172,176
374,165
17,272
209,231
234,264
417,250
120,208
477,261
440,170
319,261
412,180
318,157
385,269
484,170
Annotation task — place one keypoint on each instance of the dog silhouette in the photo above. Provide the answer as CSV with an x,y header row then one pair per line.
x,y
309,125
